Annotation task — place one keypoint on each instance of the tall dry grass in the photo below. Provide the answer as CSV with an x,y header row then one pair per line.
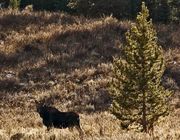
x,y
65,61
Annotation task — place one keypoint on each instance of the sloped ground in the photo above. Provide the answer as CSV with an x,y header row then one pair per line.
x,y
65,61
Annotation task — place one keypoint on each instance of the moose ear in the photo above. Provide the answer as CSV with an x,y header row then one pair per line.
x,y
44,105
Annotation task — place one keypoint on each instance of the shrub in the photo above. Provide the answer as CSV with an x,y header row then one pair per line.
x,y
164,10
119,8
161,10
14,4
50,5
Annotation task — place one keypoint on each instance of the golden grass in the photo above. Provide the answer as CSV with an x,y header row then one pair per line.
x,y
65,61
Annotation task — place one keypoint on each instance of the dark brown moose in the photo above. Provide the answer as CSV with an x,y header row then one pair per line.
x,y
52,117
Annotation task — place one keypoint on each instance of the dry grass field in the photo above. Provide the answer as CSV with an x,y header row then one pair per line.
x,y
65,61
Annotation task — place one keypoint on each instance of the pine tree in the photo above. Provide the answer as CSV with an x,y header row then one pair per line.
x,y
14,4
137,94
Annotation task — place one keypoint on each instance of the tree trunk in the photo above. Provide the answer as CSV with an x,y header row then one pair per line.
x,y
144,121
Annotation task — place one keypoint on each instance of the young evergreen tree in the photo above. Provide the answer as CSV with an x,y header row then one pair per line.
x,y
137,94
14,4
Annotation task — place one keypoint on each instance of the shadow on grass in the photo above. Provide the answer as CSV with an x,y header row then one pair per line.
x,y
76,49
9,85
64,53
27,53
85,102
174,73
168,35
20,21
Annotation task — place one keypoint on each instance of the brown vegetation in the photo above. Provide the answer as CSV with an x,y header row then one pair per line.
x,y
65,61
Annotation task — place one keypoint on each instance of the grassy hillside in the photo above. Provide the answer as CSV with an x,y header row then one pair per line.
x,y
65,61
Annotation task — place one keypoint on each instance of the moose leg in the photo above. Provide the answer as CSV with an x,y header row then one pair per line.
x,y
48,129
81,134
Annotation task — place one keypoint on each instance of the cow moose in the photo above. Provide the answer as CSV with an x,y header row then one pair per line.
x,y
52,117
